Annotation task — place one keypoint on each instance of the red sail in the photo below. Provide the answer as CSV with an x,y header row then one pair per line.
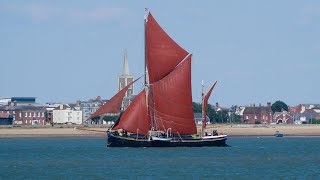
x,y
172,101
114,104
135,118
204,105
163,53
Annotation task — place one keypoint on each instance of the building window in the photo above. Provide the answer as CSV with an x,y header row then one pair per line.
x,y
247,117
34,114
255,117
19,114
42,114
25,115
38,114
30,114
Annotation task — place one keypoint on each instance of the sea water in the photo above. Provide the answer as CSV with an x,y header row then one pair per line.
x,y
88,158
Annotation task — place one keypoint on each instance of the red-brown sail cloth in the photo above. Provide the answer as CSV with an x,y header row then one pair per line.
x,y
204,105
172,99
114,104
135,118
163,53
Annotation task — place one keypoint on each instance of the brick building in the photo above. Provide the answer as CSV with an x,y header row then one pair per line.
x,y
259,114
25,114
282,118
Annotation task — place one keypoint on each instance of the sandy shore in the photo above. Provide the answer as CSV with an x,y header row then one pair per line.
x,y
267,130
231,130
48,133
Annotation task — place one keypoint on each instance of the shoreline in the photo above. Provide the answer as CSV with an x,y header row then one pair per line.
x,y
232,130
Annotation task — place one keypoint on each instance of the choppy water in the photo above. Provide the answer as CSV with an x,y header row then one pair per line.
x,y
248,158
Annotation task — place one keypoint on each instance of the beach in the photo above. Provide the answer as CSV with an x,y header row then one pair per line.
x,y
99,131
266,130
47,132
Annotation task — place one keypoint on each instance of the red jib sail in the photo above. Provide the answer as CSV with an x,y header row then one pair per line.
x,y
204,105
114,104
172,101
163,54
135,118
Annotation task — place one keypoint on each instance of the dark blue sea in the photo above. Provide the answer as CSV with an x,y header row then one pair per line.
x,y
88,158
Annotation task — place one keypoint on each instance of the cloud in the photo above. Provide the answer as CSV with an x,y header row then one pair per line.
x,y
44,13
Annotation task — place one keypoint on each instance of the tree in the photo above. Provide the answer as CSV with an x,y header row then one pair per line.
x,y
279,106
197,108
236,118
215,116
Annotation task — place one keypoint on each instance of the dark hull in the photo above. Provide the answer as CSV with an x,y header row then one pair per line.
x,y
119,141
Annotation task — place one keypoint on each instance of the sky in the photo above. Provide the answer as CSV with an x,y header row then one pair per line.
x,y
258,51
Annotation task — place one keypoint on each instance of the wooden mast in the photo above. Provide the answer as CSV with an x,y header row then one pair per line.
x,y
202,113
146,81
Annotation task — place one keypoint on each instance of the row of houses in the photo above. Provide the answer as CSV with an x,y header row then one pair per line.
x,y
301,114
25,111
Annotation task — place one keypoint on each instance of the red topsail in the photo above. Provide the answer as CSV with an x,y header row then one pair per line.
x,y
163,54
204,105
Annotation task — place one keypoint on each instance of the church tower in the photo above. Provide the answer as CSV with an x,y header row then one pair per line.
x,y
124,79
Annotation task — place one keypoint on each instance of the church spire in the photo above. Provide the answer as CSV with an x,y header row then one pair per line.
x,y
125,68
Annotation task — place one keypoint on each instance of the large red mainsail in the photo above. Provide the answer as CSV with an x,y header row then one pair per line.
x,y
163,54
114,104
135,118
172,101
169,95
204,105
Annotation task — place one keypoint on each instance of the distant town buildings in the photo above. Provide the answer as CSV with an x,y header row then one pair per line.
x,y
257,114
282,118
24,110
67,114
199,119
89,107
304,113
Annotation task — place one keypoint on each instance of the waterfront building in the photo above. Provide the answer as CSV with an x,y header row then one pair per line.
x,y
67,114
25,114
199,119
49,111
282,118
123,80
89,107
260,114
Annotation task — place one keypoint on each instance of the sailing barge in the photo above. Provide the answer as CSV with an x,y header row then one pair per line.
x,y
161,115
